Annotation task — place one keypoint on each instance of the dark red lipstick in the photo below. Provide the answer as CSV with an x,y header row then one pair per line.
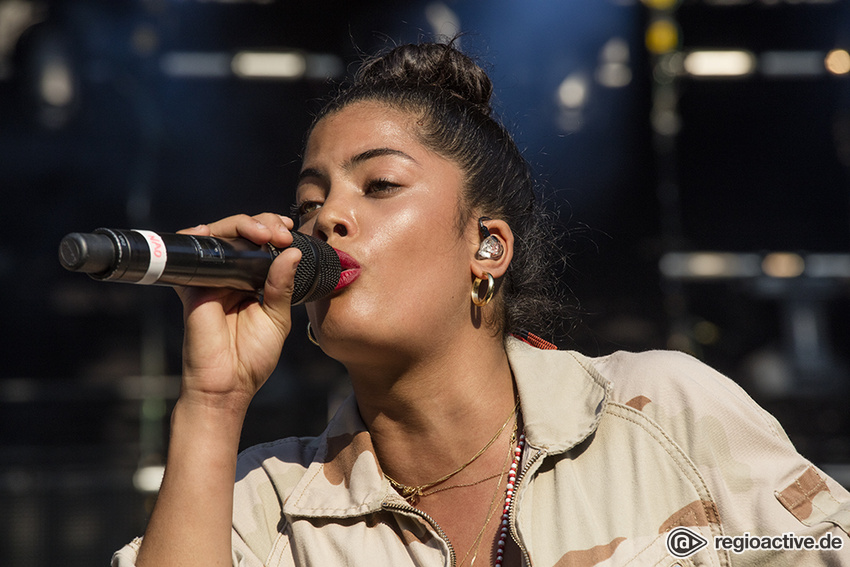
x,y
350,269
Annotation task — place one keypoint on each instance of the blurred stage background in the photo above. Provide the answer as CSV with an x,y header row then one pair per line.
x,y
698,153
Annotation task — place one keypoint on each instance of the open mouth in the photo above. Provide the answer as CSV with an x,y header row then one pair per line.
x,y
350,270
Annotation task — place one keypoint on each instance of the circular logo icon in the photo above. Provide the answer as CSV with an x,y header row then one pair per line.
x,y
684,542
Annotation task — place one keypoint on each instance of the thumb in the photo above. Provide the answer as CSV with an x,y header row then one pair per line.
x,y
280,284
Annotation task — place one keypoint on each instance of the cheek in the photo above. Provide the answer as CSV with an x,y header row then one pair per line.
x,y
422,268
422,241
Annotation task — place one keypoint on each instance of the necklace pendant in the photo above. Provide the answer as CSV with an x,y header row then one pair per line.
x,y
411,494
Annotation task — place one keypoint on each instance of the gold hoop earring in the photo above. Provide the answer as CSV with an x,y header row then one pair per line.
x,y
476,296
311,336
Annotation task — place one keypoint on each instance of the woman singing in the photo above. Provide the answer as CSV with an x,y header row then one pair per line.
x,y
467,440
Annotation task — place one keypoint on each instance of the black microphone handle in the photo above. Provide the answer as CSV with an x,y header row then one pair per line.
x,y
145,257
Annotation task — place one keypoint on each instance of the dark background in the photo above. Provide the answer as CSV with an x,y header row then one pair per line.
x,y
755,164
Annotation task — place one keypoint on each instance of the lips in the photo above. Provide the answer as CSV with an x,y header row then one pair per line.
x,y
350,270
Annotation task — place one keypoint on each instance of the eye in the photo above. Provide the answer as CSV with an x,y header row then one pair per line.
x,y
303,210
381,185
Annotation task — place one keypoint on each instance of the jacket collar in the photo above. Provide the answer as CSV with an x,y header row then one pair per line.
x,y
561,398
344,479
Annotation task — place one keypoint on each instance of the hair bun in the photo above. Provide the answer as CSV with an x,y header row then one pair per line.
x,y
433,65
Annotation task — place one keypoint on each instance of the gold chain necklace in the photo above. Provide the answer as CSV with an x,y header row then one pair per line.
x,y
464,485
413,493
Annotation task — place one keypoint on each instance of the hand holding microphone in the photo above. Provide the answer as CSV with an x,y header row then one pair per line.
x,y
231,342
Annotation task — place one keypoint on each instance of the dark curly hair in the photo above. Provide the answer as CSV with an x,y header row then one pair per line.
x,y
450,95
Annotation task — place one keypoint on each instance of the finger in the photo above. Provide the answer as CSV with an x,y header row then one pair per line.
x,y
277,294
194,297
280,235
200,230
260,229
290,224
253,229
240,226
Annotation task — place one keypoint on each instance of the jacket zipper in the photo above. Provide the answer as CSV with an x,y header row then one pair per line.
x,y
526,560
427,518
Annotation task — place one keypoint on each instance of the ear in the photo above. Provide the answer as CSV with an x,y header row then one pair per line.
x,y
494,266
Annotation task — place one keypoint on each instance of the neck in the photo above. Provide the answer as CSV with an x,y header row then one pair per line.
x,y
432,414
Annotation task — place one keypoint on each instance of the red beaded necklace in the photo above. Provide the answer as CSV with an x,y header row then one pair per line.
x,y
509,496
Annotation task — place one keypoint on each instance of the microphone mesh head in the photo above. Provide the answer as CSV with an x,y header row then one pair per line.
x,y
318,273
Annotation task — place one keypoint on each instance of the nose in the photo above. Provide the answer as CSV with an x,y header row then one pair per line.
x,y
335,217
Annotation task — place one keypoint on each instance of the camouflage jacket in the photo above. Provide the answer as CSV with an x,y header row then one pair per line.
x,y
622,452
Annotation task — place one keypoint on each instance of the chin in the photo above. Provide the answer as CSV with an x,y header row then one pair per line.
x,y
364,341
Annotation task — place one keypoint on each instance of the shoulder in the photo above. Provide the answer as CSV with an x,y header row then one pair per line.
x,y
661,372
700,414
279,463
297,452
677,390
283,462
266,475
736,446
672,389
758,479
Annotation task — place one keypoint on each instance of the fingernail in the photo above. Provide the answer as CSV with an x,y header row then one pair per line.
x,y
261,225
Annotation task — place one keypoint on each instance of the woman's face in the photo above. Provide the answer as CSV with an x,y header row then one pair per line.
x,y
370,189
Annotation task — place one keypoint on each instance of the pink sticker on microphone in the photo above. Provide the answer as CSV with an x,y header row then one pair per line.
x,y
159,257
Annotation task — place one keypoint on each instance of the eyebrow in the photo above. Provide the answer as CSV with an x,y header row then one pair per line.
x,y
375,153
357,160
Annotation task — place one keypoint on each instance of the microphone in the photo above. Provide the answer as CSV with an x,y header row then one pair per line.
x,y
150,258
